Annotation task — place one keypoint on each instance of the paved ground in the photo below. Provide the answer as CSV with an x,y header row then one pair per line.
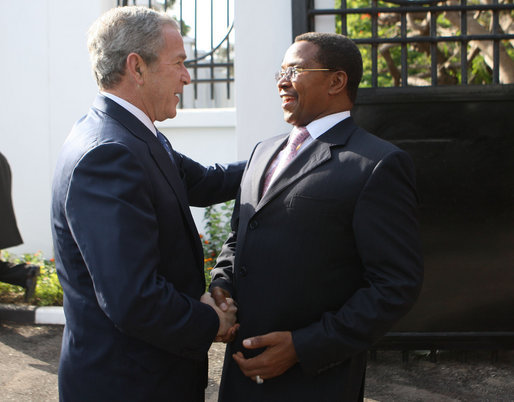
x,y
30,353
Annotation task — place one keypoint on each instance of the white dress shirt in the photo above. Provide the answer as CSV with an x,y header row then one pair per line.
x,y
315,128
321,126
132,109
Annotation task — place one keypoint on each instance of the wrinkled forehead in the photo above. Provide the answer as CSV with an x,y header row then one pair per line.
x,y
301,54
173,44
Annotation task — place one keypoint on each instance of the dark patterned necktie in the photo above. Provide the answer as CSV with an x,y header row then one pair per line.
x,y
165,144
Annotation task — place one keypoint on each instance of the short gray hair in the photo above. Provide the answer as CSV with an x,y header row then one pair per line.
x,y
119,32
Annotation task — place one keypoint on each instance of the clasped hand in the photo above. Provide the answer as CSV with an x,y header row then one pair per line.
x,y
278,356
227,317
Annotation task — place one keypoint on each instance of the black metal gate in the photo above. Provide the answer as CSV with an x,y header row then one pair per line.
x,y
461,137
396,23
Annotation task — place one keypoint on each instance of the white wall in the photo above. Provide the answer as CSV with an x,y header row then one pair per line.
x,y
47,85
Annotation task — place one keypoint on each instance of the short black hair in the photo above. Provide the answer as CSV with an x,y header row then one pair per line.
x,y
337,52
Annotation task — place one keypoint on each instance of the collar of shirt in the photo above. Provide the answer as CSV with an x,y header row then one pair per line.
x,y
321,126
132,109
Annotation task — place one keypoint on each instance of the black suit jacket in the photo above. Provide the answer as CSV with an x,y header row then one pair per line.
x,y
9,234
130,261
331,253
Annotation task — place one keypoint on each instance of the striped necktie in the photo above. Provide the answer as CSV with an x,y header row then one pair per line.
x,y
296,138
162,139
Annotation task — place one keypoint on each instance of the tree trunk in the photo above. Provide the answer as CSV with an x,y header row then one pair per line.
x,y
486,47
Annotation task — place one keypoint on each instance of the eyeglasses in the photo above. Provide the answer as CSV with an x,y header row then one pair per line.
x,y
291,73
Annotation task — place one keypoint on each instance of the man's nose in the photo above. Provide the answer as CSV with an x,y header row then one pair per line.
x,y
186,77
284,82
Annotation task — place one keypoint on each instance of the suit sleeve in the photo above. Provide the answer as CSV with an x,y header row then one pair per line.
x,y
223,273
386,236
110,212
209,185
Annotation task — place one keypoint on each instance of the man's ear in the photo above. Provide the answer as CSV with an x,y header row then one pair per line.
x,y
136,67
338,83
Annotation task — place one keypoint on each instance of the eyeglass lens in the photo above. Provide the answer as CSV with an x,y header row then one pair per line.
x,y
289,73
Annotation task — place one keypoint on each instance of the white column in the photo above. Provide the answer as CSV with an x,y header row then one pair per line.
x,y
263,33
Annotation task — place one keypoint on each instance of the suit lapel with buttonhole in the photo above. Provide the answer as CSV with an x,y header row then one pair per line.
x,y
317,153
168,168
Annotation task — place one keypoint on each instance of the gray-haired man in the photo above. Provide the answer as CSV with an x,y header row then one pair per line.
x,y
127,251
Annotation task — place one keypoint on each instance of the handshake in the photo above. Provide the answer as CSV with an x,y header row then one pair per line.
x,y
279,354
226,309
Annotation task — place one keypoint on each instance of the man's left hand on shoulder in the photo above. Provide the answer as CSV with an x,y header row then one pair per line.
x,y
277,358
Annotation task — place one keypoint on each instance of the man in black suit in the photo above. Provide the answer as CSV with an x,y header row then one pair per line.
x,y
16,274
128,255
324,256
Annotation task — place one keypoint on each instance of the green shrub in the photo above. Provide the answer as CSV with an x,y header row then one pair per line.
x,y
48,289
217,229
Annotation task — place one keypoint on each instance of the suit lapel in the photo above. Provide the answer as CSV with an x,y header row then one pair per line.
x,y
313,156
171,173
317,153
159,154
267,151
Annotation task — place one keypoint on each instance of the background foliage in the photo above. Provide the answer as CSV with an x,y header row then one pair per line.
x,y
418,54
217,229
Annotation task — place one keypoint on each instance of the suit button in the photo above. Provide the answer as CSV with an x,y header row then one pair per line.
x,y
254,225
243,271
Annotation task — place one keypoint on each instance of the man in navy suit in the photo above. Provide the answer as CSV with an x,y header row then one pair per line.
x,y
324,256
128,255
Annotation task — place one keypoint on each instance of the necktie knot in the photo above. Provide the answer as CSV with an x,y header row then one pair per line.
x,y
297,137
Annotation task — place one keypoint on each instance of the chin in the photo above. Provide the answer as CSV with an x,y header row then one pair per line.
x,y
289,118
172,114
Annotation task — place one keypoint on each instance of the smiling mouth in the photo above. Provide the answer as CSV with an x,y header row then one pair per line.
x,y
287,99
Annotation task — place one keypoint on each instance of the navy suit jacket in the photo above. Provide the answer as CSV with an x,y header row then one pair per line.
x,y
130,261
331,253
